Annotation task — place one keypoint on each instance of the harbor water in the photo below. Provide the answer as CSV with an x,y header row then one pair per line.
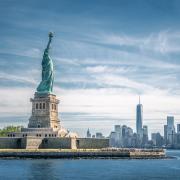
x,y
87,169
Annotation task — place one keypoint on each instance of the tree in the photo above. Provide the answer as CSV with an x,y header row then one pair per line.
x,y
4,132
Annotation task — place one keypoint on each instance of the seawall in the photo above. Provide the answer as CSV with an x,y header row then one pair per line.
x,y
83,153
33,142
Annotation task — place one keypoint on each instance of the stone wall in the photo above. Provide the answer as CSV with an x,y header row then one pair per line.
x,y
10,143
52,143
31,142
48,143
92,143
58,143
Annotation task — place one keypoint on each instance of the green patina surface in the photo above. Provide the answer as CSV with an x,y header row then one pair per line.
x,y
46,84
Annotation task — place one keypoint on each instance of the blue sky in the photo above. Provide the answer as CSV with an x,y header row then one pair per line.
x,y
106,54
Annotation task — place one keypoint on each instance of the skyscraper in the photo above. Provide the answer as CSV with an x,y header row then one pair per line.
x,y
88,134
118,130
170,129
178,128
145,135
165,134
112,139
145,130
116,136
157,139
139,119
99,135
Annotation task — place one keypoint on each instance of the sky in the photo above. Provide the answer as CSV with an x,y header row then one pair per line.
x,y
106,54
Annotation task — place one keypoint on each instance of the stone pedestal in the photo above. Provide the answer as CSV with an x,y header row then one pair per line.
x,y
44,112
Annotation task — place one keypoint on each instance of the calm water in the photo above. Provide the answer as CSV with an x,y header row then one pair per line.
x,y
91,169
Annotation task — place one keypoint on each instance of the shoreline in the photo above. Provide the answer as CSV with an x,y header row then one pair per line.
x,y
83,153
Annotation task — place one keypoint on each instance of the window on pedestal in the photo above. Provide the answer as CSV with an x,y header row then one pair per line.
x,y
77,143
36,105
53,106
40,106
44,105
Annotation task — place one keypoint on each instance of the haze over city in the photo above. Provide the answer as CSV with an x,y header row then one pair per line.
x,y
105,56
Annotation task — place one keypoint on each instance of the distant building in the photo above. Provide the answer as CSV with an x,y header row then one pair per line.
x,y
88,134
122,136
157,139
153,138
127,134
170,121
177,137
170,130
177,141
139,119
178,128
116,136
130,131
117,128
99,135
134,141
112,139
165,134
124,131
145,130
145,135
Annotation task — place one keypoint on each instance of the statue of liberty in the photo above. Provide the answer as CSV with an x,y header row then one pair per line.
x,y
46,84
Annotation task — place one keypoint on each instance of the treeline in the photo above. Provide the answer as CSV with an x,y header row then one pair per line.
x,y
8,129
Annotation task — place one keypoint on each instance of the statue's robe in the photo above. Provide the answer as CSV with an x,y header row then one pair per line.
x,y
46,85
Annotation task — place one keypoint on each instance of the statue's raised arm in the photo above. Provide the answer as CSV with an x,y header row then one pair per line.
x,y
50,39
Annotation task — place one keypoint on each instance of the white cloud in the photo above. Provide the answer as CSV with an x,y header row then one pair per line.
x,y
15,101
34,52
97,69
22,51
27,78
108,69
162,42
68,61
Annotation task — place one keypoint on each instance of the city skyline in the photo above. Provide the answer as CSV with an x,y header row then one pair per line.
x,y
104,56
125,137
